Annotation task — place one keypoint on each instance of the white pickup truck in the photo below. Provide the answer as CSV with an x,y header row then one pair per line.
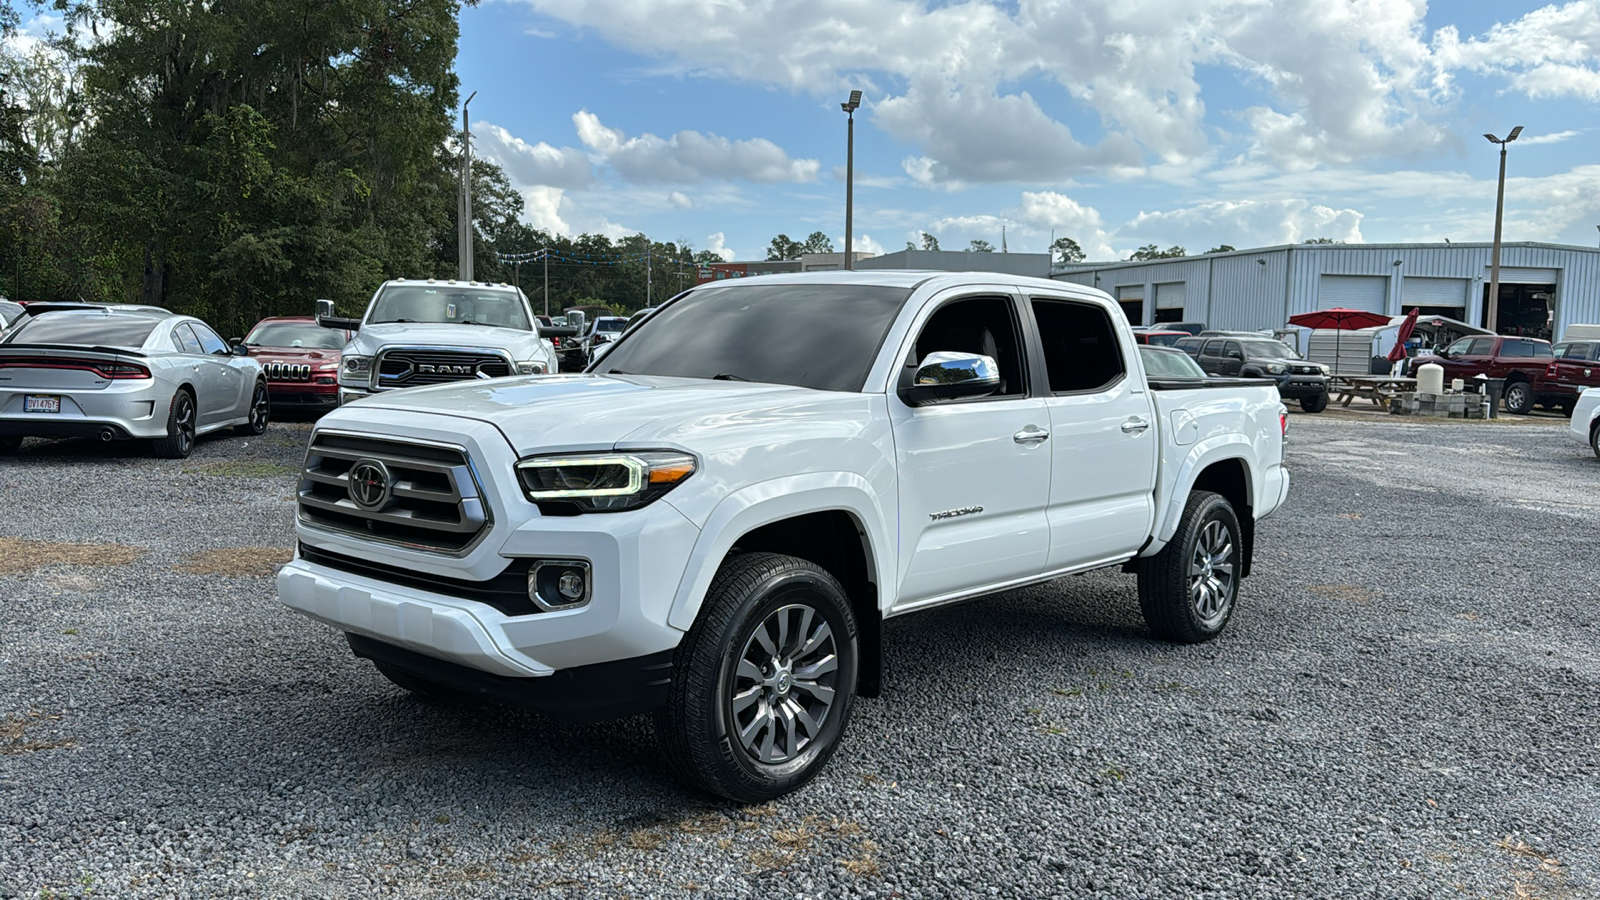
x,y
417,333
714,521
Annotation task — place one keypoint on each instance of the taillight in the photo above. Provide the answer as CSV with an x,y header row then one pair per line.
x,y
122,371
1283,422
1550,371
113,371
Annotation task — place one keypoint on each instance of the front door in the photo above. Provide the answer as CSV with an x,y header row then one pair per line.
x,y
1469,356
1103,435
974,474
221,383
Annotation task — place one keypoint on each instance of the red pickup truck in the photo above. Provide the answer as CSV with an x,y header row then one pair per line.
x,y
1520,361
1575,369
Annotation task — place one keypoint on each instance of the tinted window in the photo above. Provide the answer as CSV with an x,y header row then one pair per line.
x,y
1213,348
1189,345
296,334
1080,346
209,342
1233,350
610,324
444,304
1459,348
822,336
184,337
1269,350
1164,340
85,329
985,326
1160,363
1513,349
1479,347
9,312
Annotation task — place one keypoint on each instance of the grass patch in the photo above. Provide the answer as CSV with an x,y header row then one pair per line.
x,y
14,738
241,468
236,561
865,865
646,839
19,555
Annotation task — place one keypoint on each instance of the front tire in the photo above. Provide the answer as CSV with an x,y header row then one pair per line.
x,y
260,412
1188,591
1519,398
762,685
179,442
1315,404
1594,439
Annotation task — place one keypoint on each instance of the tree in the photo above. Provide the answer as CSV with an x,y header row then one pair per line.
x,y
706,258
980,246
929,242
1066,250
1151,251
1321,240
817,243
783,247
1221,248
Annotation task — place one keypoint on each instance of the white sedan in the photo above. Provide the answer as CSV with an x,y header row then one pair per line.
x,y
125,373
1586,419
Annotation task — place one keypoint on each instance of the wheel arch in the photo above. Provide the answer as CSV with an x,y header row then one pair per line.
x,y
838,526
1223,467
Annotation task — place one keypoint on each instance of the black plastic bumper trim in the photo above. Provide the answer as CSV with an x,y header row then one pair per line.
x,y
506,592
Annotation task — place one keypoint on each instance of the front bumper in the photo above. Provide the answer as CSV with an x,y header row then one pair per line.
x,y
303,395
135,411
1300,387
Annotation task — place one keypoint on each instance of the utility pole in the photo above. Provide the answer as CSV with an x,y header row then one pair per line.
x,y
647,281
464,207
1492,318
850,107
547,281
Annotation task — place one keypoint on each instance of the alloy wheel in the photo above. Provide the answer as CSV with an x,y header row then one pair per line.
x,y
185,422
783,688
259,409
1211,573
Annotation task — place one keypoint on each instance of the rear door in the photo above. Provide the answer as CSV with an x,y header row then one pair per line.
x,y
1103,438
974,474
220,382
1212,358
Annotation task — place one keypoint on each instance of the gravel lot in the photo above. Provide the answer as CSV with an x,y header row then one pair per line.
x,y
1406,705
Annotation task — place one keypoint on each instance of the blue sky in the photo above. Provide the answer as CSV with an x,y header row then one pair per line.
x,y
1115,122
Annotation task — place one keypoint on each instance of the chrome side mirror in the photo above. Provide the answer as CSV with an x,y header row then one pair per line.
x,y
324,309
944,376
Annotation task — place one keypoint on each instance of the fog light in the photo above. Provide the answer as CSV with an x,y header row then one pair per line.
x,y
559,583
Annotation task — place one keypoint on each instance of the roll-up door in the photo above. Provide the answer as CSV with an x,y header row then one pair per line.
x,y
1169,296
1131,298
1434,292
1366,292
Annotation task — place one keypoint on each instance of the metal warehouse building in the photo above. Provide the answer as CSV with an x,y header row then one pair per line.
x,y
1543,287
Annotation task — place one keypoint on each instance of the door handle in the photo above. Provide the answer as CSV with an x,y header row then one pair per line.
x,y
1135,425
1031,435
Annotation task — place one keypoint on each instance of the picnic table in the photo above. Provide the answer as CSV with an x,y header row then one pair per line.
x,y
1380,389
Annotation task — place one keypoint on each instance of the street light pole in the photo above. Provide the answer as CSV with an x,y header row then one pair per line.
x,y
464,206
850,107
1492,317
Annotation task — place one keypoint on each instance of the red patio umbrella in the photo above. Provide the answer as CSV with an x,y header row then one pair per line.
x,y
1398,352
1340,320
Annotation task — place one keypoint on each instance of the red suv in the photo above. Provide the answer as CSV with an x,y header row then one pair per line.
x,y
1520,361
1575,369
300,359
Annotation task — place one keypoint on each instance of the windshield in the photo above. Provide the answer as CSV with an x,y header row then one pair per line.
x,y
1269,350
822,336
1160,363
449,305
9,312
88,330
1164,340
296,334
609,324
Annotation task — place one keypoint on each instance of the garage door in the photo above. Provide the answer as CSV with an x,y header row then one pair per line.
x,y
1131,298
1169,296
1434,292
1367,292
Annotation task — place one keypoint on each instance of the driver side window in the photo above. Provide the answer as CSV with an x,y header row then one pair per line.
x,y
1459,347
985,326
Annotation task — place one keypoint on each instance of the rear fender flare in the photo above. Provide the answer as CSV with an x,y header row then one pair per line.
x,y
771,501
1203,454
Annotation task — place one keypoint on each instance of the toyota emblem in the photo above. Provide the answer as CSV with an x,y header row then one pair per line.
x,y
370,484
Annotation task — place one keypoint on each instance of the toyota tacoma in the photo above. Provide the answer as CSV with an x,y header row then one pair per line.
x,y
713,522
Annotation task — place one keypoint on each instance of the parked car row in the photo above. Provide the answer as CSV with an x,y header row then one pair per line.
x,y
1250,355
1535,373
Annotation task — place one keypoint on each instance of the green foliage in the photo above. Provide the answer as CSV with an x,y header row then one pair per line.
x,y
980,246
1066,250
784,247
817,242
1151,251
1321,240
1221,248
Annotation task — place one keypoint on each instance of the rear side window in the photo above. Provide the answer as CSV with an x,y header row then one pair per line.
x,y
1080,346
1515,349
209,342
85,329
185,340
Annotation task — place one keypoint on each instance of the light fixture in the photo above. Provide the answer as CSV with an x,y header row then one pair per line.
x,y
1492,314
850,106
1261,262
1398,261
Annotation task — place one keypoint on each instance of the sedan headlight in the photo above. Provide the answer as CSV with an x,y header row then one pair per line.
x,y
356,368
604,482
530,367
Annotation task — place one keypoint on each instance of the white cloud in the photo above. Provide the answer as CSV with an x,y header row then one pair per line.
x,y
1030,223
532,164
1553,51
718,243
1244,223
690,156
1555,138
680,200
552,209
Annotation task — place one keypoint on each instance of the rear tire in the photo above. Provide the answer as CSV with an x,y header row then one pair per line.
x,y
762,685
1519,398
1189,590
179,442
1315,404
260,412
1594,439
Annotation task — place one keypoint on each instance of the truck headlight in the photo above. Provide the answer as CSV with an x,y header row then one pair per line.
x,y
1277,368
356,368
530,367
604,482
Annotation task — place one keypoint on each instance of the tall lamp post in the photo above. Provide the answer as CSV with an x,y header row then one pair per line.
x,y
1492,320
850,107
464,205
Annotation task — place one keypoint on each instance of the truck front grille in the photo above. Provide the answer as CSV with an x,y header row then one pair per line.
x,y
422,496
412,368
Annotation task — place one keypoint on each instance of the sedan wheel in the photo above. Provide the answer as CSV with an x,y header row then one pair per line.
x,y
179,442
260,411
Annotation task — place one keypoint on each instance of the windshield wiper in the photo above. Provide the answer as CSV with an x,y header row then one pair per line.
x,y
728,376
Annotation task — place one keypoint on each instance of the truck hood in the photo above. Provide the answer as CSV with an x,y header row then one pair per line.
x,y
556,413
522,345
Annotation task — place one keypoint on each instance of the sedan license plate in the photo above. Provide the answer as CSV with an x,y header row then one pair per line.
x,y
41,403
